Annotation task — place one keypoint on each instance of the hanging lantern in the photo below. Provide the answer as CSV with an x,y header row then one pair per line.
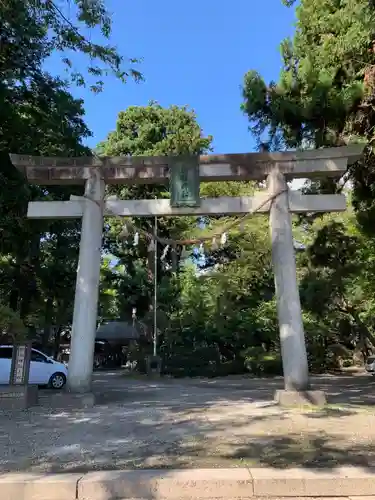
x,y
136,239
151,246
214,244
201,248
223,238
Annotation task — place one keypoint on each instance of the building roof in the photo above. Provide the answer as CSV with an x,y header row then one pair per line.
x,y
117,330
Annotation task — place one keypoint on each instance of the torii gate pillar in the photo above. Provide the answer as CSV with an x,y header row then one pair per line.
x,y
82,343
292,340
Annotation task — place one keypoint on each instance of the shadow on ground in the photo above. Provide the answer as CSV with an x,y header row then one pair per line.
x,y
310,451
192,423
348,389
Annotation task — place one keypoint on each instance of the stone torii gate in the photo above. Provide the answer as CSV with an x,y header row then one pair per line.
x,y
277,168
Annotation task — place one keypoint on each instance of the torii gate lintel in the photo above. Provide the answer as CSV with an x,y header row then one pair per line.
x,y
330,162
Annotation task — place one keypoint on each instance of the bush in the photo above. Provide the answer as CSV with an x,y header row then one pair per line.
x,y
264,364
11,324
200,362
233,367
347,363
253,352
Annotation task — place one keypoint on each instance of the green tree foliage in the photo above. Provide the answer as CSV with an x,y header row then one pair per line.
x,y
32,30
47,123
325,93
156,131
322,81
325,97
39,116
222,312
148,131
337,285
204,319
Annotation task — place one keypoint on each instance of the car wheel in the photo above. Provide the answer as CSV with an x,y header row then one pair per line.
x,y
57,381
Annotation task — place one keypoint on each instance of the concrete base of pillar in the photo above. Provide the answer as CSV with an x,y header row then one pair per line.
x,y
153,364
65,399
18,397
290,399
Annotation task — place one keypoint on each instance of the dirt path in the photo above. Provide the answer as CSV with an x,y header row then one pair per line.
x,y
185,424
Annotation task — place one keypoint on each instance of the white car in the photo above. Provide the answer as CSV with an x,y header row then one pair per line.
x,y
370,365
43,369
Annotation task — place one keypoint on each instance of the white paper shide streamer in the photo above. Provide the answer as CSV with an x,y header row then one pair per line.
x,y
164,254
223,239
136,239
215,242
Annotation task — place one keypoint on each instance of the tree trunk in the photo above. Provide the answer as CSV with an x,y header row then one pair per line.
x,y
13,299
29,272
363,330
347,308
15,292
47,322
57,340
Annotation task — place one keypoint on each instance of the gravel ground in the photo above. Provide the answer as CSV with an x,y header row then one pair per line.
x,y
193,423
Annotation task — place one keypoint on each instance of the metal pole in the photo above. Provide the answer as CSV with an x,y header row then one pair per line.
x,y
155,285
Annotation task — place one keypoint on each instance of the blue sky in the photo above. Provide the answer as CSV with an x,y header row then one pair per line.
x,y
194,53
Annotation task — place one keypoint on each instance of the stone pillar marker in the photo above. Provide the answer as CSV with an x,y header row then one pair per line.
x,y
87,288
292,338
19,395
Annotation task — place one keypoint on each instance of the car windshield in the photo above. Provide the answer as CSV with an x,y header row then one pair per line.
x,y
370,359
37,356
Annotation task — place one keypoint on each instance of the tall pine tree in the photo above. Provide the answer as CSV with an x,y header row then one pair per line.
x,y
325,95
